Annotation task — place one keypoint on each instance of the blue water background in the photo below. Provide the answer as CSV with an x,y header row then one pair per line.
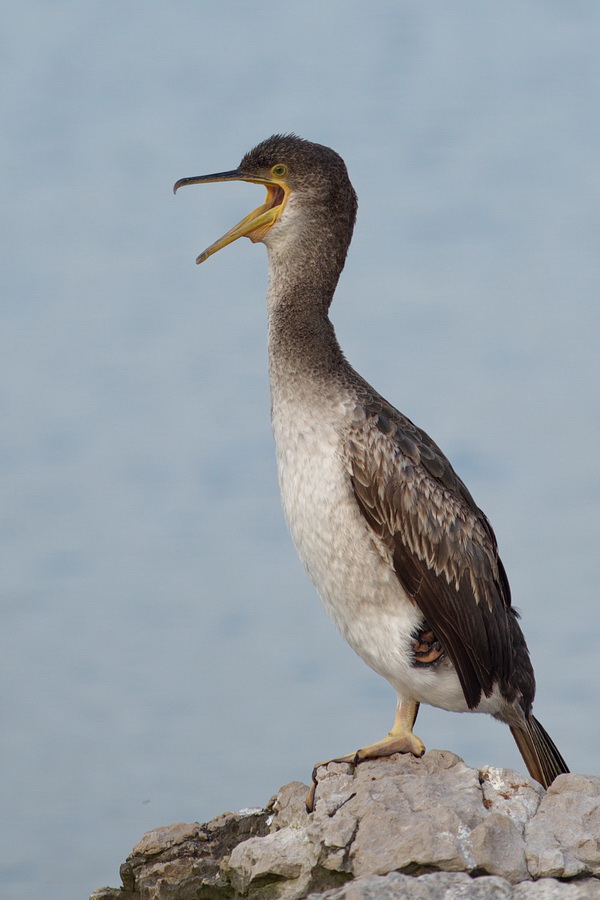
x,y
163,655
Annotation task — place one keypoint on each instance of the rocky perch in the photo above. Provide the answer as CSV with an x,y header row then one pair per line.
x,y
392,829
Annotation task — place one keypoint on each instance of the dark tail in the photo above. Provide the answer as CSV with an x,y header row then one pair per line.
x,y
539,752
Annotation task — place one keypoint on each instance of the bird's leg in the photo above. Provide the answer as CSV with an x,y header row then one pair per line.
x,y
399,740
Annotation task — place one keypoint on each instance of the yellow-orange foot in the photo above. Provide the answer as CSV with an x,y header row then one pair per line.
x,y
399,740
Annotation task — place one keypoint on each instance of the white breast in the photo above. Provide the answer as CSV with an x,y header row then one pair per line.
x,y
352,574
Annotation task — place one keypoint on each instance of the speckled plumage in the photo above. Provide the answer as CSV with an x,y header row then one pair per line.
x,y
390,536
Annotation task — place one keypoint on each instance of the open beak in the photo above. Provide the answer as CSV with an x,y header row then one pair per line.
x,y
257,223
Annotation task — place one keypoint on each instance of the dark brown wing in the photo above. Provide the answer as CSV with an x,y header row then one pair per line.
x,y
443,548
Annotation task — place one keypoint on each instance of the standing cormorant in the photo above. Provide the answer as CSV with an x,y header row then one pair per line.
x,y
405,562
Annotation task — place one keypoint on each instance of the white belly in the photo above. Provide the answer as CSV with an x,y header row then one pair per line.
x,y
350,568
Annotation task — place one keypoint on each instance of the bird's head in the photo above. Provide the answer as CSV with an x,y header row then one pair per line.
x,y
307,186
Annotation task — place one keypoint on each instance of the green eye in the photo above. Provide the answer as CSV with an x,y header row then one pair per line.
x,y
279,171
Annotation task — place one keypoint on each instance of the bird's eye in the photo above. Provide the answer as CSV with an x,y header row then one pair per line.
x,y
279,171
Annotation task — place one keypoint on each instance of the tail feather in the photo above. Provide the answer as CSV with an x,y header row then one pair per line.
x,y
539,752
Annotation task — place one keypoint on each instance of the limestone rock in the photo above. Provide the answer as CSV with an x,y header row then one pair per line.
x,y
390,828
438,886
174,862
458,886
563,838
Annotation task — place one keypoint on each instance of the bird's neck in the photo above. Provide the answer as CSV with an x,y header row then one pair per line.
x,y
302,341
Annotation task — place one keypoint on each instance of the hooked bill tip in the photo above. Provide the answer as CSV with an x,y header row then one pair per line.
x,y
179,183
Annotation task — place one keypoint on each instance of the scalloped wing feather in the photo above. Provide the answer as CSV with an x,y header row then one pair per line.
x,y
443,548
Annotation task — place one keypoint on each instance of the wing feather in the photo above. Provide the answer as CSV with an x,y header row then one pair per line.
x,y
443,548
